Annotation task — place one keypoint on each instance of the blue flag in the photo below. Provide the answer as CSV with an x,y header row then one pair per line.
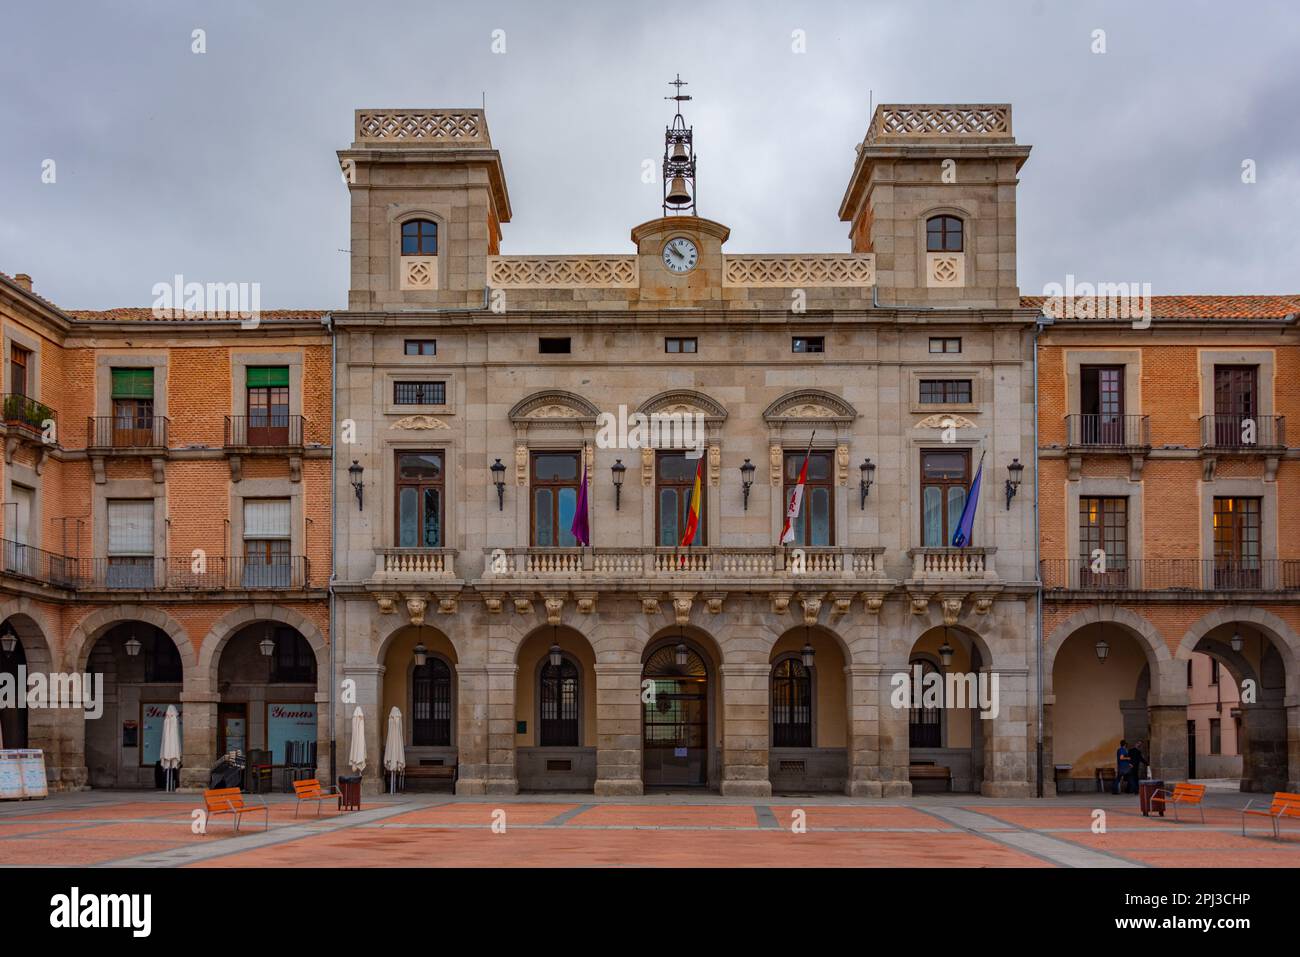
x,y
961,537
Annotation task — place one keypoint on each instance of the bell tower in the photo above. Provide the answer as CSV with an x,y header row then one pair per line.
x,y
679,159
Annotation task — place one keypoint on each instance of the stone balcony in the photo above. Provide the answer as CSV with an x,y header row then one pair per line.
x,y
763,565
414,566
953,564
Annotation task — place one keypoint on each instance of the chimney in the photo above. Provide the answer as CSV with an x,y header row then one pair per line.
x,y
23,280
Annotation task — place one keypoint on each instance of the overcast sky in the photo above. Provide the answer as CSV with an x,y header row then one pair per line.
x,y
222,166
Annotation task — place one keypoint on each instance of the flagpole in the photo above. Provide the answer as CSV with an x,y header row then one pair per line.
x,y
806,455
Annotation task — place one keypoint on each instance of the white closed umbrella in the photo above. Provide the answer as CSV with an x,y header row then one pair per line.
x,y
395,749
170,754
357,750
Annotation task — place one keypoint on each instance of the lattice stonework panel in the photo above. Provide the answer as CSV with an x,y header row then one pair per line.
x,y
945,270
800,271
426,125
563,272
972,120
419,272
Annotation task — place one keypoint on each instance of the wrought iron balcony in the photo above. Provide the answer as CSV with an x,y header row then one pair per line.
x,y
35,564
1243,433
156,573
1172,575
1106,431
270,431
27,414
126,432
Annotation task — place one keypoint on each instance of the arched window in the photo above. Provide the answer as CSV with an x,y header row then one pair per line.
x,y
431,704
791,704
559,702
943,234
924,729
419,238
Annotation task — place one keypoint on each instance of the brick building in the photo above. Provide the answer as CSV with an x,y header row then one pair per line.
x,y
1168,513
166,525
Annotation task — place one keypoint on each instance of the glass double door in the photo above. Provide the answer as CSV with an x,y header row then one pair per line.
x,y
675,735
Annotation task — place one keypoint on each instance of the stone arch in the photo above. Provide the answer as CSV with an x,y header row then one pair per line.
x,y
33,630
810,405
684,401
1149,640
84,634
553,404
1283,638
401,622
233,622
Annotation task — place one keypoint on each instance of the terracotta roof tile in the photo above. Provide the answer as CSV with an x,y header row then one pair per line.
x,y
1209,307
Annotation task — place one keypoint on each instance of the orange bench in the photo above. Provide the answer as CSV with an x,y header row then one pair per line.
x,y
1285,806
231,801
310,790
1185,795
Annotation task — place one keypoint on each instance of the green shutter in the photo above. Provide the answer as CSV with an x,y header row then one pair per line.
x,y
133,383
268,376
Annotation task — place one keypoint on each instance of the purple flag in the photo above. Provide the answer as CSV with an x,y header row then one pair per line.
x,y
579,530
961,538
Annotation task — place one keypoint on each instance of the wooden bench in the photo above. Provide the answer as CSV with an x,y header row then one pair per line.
x,y
1284,807
930,772
231,801
1183,795
431,772
310,790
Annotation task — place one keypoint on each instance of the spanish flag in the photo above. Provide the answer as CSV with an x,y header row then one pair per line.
x,y
693,514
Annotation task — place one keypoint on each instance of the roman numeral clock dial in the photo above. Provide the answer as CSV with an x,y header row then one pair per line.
x,y
680,255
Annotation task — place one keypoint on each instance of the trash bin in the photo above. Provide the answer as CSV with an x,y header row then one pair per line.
x,y
1147,800
350,792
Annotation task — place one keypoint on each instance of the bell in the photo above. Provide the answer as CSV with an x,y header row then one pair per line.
x,y
679,154
677,195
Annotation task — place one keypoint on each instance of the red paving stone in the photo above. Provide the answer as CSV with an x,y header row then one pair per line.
x,y
573,847
666,815
470,814
856,817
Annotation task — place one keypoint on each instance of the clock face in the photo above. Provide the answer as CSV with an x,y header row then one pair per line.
x,y
680,255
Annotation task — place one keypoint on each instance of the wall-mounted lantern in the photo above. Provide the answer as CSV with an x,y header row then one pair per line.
x,y
1103,649
1014,471
355,471
747,480
133,646
499,480
618,468
868,470
421,655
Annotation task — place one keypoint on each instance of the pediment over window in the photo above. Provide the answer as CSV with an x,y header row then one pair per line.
x,y
684,402
554,405
810,405
946,420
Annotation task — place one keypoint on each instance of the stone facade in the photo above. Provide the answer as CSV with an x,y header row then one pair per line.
x,y
488,601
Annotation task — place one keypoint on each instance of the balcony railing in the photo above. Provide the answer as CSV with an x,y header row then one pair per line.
x,y
27,561
24,412
1172,575
416,563
271,431
658,562
953,564
127,431
150,573
1243,433
1105,431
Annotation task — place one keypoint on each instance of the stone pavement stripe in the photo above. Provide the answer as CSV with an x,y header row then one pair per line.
x,y
567,816
1049,849
730,828
258,839
766,818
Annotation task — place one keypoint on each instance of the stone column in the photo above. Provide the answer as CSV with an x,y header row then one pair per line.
x,y
745,730
471,730
1049,742
618,729
1168,745
891,736
1293,746
198,738
366,683
1007,742
65,762
1264,747
501,775
862,689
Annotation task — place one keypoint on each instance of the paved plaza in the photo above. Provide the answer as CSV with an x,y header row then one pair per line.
x,y
140,829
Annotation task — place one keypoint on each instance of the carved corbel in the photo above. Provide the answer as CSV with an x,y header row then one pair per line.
x,y
416,607
781,602
774,465
236,469
524,605
1207,468
521,465
1270,468
951,610
714,602
493,604
387,604
159,469
554,608
715,466
873,601
1074,465
682,602
586,603
447,604
650,604
812,607
295,468
647,467
920,604
843,604
1135,467
983,604
842,464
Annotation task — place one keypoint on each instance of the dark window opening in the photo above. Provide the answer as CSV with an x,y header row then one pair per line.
x,y
808,344
945,391
421,347
559,705
791,704
550,345
949,345
677,344
419,393
943,234
419,238
554,498
945,478
420,495
431,704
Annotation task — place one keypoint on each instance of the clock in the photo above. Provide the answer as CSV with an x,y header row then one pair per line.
x,y
680,255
